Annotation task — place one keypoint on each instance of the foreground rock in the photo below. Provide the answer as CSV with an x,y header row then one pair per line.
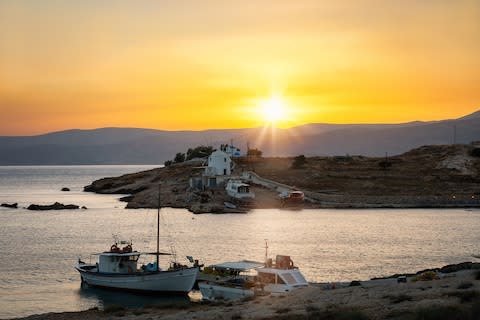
x,y
447,296
8,205
55,206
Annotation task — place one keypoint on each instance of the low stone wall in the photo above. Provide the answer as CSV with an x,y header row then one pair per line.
x,y
269,184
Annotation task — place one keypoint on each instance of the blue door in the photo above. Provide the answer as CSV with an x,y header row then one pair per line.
x,y
213,182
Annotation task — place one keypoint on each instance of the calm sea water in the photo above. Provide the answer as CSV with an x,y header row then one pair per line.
x,y
39,249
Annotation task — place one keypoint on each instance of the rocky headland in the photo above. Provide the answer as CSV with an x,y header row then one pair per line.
x,y
444,176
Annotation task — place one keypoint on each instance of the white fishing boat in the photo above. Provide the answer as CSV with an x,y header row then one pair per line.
x,y
117,269
233,280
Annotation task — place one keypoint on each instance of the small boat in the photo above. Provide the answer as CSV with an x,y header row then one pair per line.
x,y
234,280
229,205
292,197
117,269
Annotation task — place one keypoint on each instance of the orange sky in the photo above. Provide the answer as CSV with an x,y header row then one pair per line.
x,y
210,64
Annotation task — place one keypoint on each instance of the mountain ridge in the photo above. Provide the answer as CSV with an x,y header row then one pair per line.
x,y
113,145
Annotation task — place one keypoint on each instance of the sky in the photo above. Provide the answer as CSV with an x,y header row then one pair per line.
x,y
199,64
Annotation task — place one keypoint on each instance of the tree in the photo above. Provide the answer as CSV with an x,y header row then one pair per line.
x,y
299,162
168,163
199,152
385,164
179,157
254,152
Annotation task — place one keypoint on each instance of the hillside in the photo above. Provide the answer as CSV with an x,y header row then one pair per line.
x,y
148,146
429,176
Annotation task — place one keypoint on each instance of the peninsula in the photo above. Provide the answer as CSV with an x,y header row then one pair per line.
x,y
430,176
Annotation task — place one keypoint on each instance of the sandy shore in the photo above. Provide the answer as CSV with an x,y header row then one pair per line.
x,y
453,295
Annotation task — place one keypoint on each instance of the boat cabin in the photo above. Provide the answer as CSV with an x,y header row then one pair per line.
x,y
281,276
118,260
239,190
291,277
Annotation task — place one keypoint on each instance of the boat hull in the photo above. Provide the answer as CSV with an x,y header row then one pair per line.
x,y
176,281
212,291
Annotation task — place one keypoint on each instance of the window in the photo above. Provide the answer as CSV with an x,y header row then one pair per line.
x,y
289,278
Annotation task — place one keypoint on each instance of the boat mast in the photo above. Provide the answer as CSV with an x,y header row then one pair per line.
x,y
266,251
158,230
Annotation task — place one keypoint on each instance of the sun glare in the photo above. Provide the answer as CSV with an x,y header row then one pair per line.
x,y
273,110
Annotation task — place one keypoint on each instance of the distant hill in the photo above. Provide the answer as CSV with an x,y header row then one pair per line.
x,y
148,146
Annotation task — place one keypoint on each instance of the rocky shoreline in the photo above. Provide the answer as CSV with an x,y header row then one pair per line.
x,y
424,295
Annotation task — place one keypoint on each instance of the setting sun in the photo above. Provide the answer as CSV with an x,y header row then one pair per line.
x,y
273,110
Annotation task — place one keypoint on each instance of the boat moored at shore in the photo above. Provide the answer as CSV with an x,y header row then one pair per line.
x,y
234,280
117,269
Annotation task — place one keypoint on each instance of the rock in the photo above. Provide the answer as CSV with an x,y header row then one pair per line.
x,y
355,283
55,206
65,189
84,208
7,205
126,198
456,267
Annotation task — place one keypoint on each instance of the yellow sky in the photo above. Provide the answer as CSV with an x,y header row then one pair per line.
x,y
211,64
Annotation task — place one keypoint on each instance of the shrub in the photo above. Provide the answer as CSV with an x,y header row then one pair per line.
x,y
440,313
113,308
299,162
465,296
351,315
475,152
311,309
139,312
385,164
236,316
283,310
465,285
248,298
254,153
399,298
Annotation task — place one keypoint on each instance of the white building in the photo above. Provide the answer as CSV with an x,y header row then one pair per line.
x,y
231,150
219,164
217,172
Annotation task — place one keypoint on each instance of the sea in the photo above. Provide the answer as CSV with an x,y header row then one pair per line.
x,y
40,248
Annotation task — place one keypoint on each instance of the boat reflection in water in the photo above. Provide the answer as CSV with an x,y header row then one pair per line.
x,y
105,298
